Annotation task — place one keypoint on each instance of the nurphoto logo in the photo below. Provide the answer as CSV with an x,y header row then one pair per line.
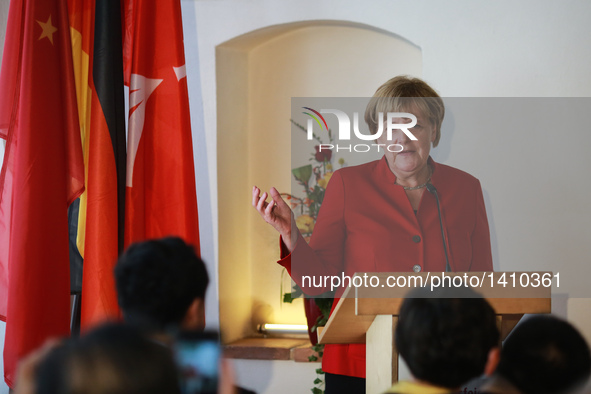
x,y
344,131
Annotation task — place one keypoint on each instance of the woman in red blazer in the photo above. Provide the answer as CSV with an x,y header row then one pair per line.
x,y
379,217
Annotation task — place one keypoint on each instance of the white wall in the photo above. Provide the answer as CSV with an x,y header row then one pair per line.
x,y
504,48
3,17
470,49
3,386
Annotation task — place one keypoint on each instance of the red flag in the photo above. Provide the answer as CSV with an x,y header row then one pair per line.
x,y
161,198
99,72
41,175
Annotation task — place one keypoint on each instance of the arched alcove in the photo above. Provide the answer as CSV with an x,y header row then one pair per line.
x,y
257,75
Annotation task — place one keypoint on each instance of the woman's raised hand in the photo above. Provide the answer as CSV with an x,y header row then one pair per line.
x,y
276,212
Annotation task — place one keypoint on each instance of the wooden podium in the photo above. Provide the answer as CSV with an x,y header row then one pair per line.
x,y
369,315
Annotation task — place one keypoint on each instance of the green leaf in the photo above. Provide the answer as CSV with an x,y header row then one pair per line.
x,y
312,358
320,196
316,390
319,371
299,126
321,321
317,381
325,304
287,298
302,174
297,292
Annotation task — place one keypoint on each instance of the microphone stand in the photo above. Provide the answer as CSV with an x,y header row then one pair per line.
x,y
433,191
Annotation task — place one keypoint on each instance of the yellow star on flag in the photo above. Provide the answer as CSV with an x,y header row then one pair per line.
x,y
48,30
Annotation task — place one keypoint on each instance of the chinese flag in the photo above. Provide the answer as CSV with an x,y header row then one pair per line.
x,y
161,198
96,39
42,174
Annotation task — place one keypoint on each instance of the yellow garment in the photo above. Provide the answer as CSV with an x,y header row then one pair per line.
x,y
406,387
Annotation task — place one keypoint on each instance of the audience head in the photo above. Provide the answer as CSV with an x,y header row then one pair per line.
x,y
161,284
545,354
447,341
113,359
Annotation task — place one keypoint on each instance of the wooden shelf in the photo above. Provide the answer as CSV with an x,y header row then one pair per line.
x,y
295,349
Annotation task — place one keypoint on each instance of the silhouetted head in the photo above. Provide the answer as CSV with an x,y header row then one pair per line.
x,y
545,354
113,359
161,284
446,341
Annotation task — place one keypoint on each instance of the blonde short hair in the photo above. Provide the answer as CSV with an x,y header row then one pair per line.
x,y
402,94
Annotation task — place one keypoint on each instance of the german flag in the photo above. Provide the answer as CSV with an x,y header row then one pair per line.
x,y
97,43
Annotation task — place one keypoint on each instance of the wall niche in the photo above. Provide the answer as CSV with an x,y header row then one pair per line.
x,y
257,74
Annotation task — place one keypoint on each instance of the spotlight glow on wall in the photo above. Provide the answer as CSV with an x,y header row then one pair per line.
x,y
283,329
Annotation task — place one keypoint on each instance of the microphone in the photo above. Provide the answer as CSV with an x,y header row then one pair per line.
x,y
433,191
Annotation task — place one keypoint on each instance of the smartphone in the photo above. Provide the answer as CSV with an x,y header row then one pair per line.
x,y
198,358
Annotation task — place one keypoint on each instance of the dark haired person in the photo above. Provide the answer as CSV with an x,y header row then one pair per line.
x,y
543,355
111,359
445,341
161,285
381,217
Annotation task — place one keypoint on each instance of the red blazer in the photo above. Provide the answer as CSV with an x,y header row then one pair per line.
x,y
366,224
